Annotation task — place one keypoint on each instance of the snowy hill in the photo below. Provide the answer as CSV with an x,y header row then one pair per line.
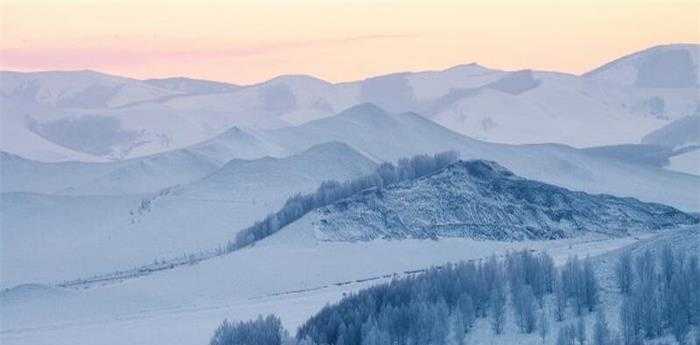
x,y
82,235
140,175
381,136
666,66
385,136
687,162
215,200
651,155
192,86
479,199
77,89
677,134
136,176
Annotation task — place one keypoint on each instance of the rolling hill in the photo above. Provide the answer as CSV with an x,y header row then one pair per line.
x,y
482,200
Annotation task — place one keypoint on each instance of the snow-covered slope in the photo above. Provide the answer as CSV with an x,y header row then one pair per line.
x,y
278,102
24,175
133,176
388,137
665,66
479,199
90,116
82,235
384,136
77,89
688,162
192,86
538,107
17,137
184,305
651,155
677,134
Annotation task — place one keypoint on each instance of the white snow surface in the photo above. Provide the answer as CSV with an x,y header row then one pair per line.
x,y
688,162
84,235
294,280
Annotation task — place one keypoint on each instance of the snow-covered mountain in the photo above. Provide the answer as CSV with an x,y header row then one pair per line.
x,y
85,115
78,89
664,66
192,86
479,199
139,175
385,136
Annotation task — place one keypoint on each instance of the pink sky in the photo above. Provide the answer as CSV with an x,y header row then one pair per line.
x,y
246,42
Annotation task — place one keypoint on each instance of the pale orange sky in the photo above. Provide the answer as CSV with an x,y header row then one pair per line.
x,y
250,41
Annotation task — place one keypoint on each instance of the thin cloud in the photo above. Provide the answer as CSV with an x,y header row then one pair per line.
x,y
100,57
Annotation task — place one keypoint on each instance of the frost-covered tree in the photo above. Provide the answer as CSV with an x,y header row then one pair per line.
x,y
667,264
581,331
566,335
456,329
629,322
543,325
678,301
498,308
524,305
262,331
590,285
646,267
559,299
332,191
601,332
466,308
624,273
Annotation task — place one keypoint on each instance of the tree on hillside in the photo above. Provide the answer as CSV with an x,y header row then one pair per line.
x,y
601,332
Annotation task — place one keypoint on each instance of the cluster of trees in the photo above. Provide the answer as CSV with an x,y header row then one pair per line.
x,y
442,305
262,331
660,292
661,295
332,191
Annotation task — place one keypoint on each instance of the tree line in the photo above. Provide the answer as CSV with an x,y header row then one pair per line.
x,y
332,191
441,306
659,292
661,295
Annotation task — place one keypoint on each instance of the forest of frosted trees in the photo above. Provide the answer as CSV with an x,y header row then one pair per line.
x,y
660,298
331,191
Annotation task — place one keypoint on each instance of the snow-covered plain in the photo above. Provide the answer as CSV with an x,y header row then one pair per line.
x,y
184,305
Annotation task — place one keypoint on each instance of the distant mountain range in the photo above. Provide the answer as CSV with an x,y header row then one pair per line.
x,y
90,116
478,199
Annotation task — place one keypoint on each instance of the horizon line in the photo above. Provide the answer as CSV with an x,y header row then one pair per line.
x,y
309,75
